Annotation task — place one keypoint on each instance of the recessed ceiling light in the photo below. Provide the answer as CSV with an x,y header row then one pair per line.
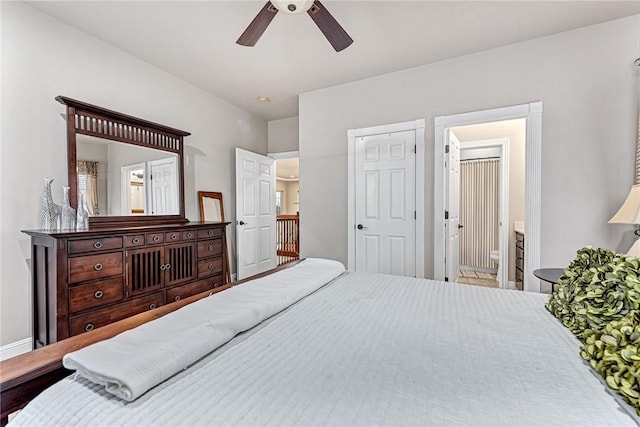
x,y
264,99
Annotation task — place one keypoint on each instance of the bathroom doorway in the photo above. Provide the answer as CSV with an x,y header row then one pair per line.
x,y
491,200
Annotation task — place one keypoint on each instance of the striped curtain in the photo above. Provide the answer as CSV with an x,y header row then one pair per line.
x,y
479,201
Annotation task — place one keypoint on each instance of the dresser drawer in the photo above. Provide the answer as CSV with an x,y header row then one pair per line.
x,y
209,267
134,241
208,248
95,266
209,233
92,245
172,236
154,238
95,294
95,319
180,292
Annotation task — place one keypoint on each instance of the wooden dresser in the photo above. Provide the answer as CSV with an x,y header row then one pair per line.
x,y
519,260
87,279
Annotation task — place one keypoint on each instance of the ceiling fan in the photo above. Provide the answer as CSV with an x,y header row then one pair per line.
x,y
336,35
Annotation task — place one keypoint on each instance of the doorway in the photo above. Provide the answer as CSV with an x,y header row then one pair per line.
x,y
485,178
385,200
532,112
287,206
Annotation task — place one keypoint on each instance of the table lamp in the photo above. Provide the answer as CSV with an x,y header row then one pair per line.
x,y
629,212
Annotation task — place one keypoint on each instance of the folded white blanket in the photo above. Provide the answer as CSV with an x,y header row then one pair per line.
x,y
134,361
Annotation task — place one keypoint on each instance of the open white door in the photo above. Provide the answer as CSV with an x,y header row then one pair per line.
x,y
164,193
255,213
385,203
452,207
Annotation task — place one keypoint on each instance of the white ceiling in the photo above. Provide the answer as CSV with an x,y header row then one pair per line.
x,y
288,169
196,40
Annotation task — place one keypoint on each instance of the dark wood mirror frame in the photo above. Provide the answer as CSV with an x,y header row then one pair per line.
x,y
87,119
218,196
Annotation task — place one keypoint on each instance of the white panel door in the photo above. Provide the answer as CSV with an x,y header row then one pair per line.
x,y
255,213
164,190
452,207
385,204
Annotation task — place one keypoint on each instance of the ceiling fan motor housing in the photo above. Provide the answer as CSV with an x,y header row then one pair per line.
x,y
292,7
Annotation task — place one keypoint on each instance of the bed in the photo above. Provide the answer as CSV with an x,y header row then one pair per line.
x,y
369,349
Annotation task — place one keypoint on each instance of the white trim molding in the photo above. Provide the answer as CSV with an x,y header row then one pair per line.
x,y
533,177
16,348
419,127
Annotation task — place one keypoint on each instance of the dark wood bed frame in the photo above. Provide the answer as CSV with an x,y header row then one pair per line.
x,y
23,377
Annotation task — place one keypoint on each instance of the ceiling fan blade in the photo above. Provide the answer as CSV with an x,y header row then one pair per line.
x,y
260,23
336,35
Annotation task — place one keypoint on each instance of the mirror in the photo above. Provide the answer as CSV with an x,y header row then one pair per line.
x,y
212,209
129,170
122,179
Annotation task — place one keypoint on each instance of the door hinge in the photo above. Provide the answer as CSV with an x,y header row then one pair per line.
x,y
446,214
446,279
446,149
415,149
415,214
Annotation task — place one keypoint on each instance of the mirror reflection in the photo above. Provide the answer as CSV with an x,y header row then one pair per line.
x,y
124,179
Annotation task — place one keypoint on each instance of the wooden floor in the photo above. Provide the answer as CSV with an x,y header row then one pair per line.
x,y
478,278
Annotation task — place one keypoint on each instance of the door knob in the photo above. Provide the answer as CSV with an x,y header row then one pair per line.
x,y
460,226
241,223
361,227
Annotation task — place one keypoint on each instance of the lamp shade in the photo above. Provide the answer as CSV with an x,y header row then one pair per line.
x,y
629,212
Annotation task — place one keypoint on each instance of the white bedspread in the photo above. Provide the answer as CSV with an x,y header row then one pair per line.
x,y
370,350
134,361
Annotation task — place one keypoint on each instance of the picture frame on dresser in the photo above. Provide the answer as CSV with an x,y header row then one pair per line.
x,y
212,209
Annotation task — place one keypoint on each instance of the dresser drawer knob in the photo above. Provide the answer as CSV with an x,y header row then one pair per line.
x,y
98,294
210,266
156,238
215,285
97,245
174,237
189,235
210,247
152,306
163,267
97,267
89,327
210,233
177,298
167,266
135,241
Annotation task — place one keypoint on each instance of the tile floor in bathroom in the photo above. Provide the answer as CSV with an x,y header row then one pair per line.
x,y
478,278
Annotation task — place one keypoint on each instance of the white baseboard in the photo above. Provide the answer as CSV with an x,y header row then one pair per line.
x,y
15,348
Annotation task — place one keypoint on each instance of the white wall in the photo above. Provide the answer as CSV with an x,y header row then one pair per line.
x,y
283,135
585,79
516,131
42,58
